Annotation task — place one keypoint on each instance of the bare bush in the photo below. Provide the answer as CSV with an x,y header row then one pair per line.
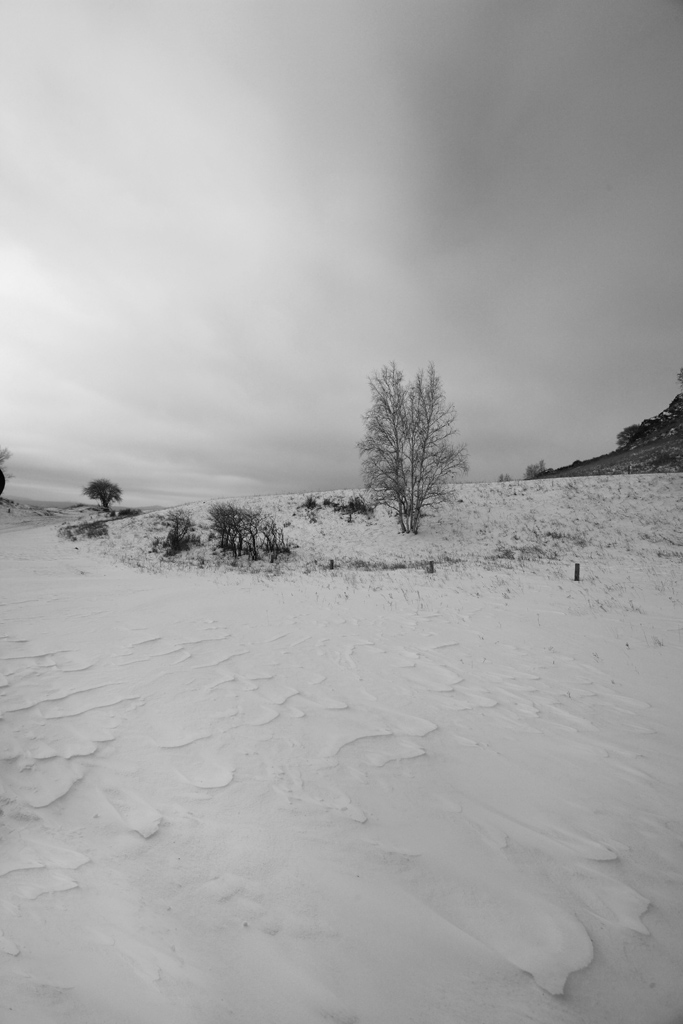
x,y
246,531
358,504
251,519
274,542
180,526
228,522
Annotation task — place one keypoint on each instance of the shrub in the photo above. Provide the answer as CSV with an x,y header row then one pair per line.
x,y
229,522
97,529
127,512
504,552
535,470
251,524
180,526
310,502
531,551
503,478
243,530
625,436
273,537
358,504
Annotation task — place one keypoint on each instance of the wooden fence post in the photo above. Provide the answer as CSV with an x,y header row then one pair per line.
x,y
577,571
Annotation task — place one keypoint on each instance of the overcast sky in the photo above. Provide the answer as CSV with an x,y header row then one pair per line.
x,y
218,218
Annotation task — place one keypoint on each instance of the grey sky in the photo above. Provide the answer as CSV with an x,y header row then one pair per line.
x,y
218,218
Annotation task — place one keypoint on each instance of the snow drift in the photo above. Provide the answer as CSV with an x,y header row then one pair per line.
x,y
279,793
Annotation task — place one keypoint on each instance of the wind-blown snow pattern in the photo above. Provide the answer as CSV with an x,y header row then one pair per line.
x,y
296,796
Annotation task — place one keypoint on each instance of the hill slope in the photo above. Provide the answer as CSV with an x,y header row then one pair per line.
x,y
495,524
656,447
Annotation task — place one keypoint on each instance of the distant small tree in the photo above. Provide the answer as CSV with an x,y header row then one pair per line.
x,y
503,478
626,435
6,454
408,455
534,470
103,491
679,378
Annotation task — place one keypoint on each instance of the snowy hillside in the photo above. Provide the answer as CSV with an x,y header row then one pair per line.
x,y
521,520
271,793
655,446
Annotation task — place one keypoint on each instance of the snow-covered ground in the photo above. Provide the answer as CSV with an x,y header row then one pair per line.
x,y
280,794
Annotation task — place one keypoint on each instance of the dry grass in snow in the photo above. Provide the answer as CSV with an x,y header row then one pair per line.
x,y
519,521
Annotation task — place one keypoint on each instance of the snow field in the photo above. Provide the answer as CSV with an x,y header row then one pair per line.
x,y
296,795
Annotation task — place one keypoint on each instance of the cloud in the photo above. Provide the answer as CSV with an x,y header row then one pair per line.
x,y
219,218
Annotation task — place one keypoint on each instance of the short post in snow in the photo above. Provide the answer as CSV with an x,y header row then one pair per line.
x,y
577,571
430,567
332,563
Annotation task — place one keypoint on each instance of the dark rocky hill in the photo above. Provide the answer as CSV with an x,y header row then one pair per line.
x,y
655,447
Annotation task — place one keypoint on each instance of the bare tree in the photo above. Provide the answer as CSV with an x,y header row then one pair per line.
x,y
6,454
220,514
408,457
243,528
231,523
251,519
534,470
104,491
